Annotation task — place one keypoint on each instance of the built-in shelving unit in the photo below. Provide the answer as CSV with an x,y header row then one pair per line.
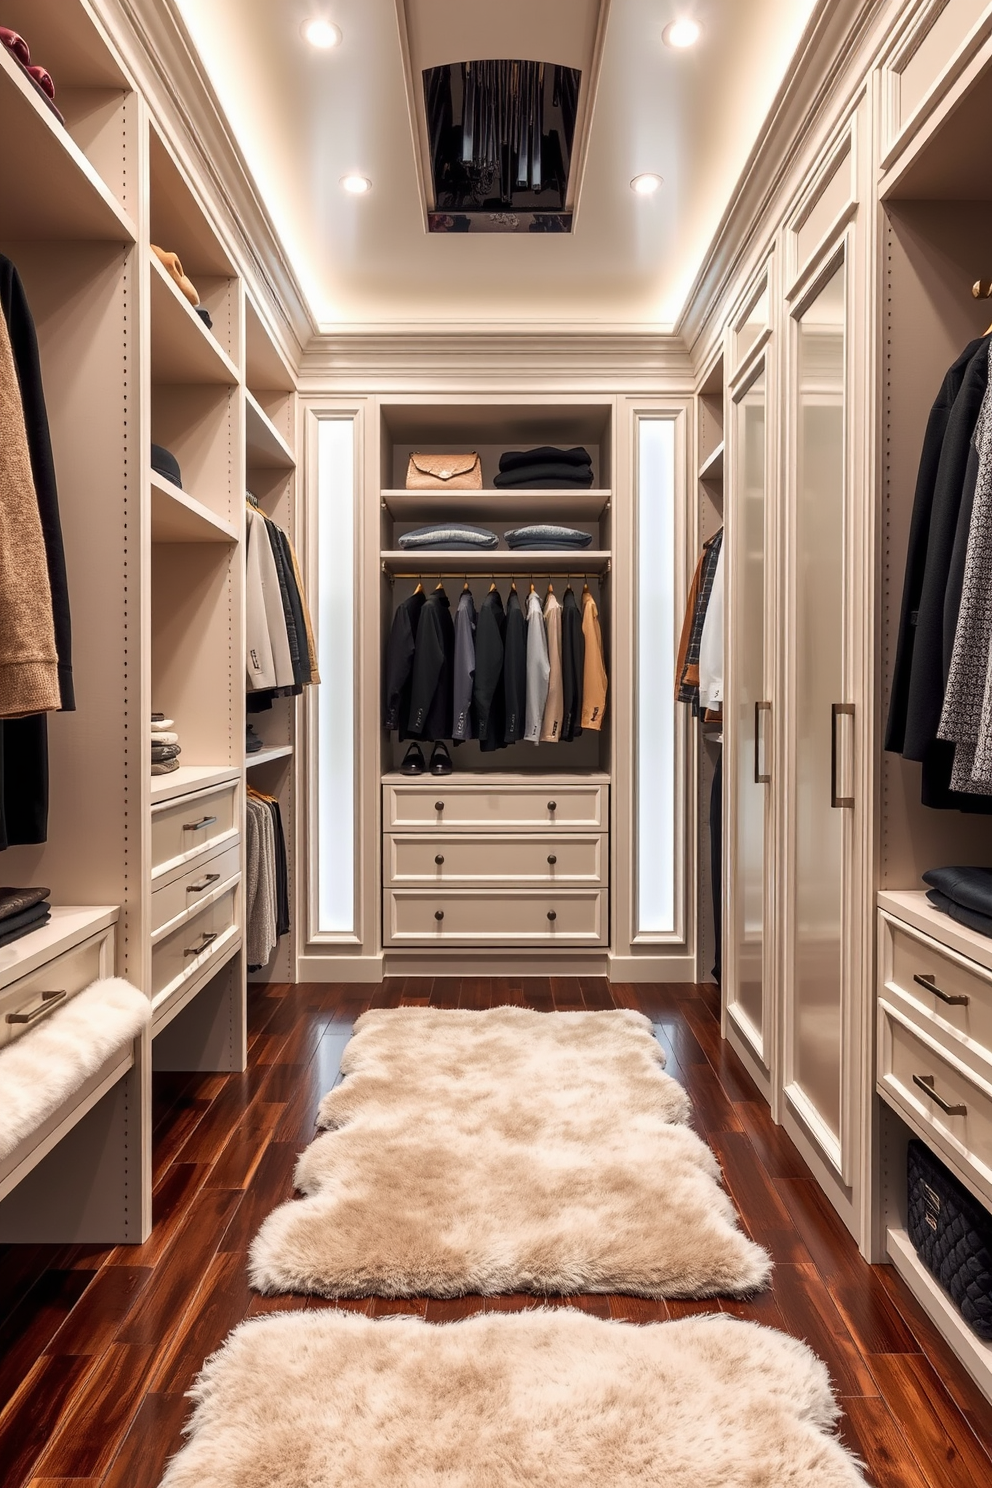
x,y
509,507
496,561
179,518
265,446
268,754
711,468
183,350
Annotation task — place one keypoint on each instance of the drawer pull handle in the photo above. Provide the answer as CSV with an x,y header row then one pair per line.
x,y
552,805
198,826
49,1002
439,915
438,805
925,1082
204,883
439,859
552,859
206,939
551,915
930,982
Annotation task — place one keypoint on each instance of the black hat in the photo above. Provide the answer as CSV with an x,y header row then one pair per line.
x,y
166,464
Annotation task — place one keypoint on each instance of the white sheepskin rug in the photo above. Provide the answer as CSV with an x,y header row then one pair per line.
x,y
47,1064
511,1400
506,1151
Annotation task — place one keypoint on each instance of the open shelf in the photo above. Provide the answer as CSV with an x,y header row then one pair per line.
x,y
183,350
269,753
518,507
68,926
190,778
265,447
48,187
180,518
496,561
712,467
974,1353
265,367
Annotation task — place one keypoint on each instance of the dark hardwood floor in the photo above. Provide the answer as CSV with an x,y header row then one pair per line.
x,y
97,1346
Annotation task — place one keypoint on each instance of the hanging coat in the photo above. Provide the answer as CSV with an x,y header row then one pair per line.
x,y
463,726
488,700
515,669
573,649
551,723
431,692
399,664
594,682
538,670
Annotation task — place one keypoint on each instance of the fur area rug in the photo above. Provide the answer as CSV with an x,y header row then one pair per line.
x,y
42,1068
510,1400
506,1151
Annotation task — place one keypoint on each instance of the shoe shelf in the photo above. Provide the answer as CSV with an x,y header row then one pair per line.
x,y
265,448
495,561
178,517
267,754
517,507
183,350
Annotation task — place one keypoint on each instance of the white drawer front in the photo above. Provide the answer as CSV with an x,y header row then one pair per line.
x,y
183,952
497,917
544,858
938,988
183,894
37,995
439,805
945,1101
192,826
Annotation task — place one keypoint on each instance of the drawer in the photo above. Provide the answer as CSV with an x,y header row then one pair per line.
x,y
184,892
191,826
919,975
545,858
946,1101
66,974
437,804
496,917
184,951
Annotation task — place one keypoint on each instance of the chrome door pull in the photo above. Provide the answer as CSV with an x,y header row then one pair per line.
x,y
49,1002
198,826
837,710
930,982
760,777
204,883
206,939
926,1082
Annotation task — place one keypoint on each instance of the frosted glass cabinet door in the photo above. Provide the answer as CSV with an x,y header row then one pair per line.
x,y
816,1053
746,529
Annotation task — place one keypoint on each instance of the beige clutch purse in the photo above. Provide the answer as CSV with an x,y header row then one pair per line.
x,y
444,473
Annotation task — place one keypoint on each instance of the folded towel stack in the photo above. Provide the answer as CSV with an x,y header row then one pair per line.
x,y
165,745
545,469
450,536
21,911
548,537
965,894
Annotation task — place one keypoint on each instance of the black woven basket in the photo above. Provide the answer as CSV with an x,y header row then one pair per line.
x,y
952,1235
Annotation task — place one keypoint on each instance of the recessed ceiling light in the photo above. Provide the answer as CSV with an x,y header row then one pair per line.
x,y
356,185
322,34
682,34
646,184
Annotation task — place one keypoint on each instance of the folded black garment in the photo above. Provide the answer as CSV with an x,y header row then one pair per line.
x,y
546,454
970,918
15,901
969,887
23,923
162,752
536,478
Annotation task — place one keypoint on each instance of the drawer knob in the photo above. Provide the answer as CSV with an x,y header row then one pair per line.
x,y
206,939
49,1002
552,915
552,859
438,805
203,883
929,981
439,915
926,1082
552,805
439,859
198,826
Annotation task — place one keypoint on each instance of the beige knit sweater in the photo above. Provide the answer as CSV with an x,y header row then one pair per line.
x,y
29,673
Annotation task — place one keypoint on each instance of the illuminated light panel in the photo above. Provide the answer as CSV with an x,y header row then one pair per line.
x,y
356,185
682,34
322,34
646,184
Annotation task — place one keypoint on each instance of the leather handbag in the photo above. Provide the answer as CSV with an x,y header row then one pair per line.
x,y
444,473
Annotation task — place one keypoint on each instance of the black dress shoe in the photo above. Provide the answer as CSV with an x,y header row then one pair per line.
x,y
441,760
413,761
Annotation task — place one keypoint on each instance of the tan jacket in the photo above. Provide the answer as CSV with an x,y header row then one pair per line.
x,y
594,681
551,725
29,669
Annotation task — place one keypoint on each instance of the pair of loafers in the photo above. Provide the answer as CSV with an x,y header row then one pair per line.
x,y
413,761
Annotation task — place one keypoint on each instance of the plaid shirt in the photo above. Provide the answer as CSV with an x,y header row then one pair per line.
x,y
687,670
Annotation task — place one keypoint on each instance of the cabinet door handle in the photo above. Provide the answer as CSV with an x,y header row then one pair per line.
x,y
930,982
439,915
438,805
552,859
760,777
925,1082
551,915
203,883
552,805
837,710
198,826
439,859
206,939
49,1002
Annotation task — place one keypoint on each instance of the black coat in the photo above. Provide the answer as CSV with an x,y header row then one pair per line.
x,y
487,694
432,689
399,664
515,670
573,658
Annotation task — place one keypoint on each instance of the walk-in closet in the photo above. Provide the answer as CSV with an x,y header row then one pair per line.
x,y
495,743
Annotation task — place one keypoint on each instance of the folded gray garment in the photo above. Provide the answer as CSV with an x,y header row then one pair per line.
x,y
547,535
969,887
967,917
162,752
166,767
449,535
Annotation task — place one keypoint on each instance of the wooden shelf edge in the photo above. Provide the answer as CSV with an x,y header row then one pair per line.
x,y
974,1353
264,756
178,517
712,467
276,453
69,926
194,326
189,778
515,507
497,561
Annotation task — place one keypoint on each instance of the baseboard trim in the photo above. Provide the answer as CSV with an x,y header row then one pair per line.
x,y
474,963
652,968
341,968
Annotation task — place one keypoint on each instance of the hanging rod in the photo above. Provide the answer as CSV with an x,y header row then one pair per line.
x,y
526,571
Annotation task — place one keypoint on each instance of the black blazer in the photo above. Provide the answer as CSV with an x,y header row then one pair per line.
x,y
432,685
515,669
573,657
487,693
399,664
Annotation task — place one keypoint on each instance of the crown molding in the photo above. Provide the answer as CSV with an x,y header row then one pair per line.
x,y
159,53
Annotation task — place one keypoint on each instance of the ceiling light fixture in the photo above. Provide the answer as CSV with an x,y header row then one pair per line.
x,y
682,34
356,185
646,184
322,34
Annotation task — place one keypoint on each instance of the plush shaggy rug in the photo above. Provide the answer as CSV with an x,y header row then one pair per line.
x,y
555,1399
506,1151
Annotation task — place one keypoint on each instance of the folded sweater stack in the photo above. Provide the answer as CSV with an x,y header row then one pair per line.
x,y
965,894
165,745
21,911
545,469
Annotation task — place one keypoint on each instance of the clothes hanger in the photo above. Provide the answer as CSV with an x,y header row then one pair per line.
x,y
551,587
513,585
532,589
492,586
982,290
568,583
465,587
420,587
439,587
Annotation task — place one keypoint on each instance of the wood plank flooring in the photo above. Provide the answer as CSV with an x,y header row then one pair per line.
x,y
97,1346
